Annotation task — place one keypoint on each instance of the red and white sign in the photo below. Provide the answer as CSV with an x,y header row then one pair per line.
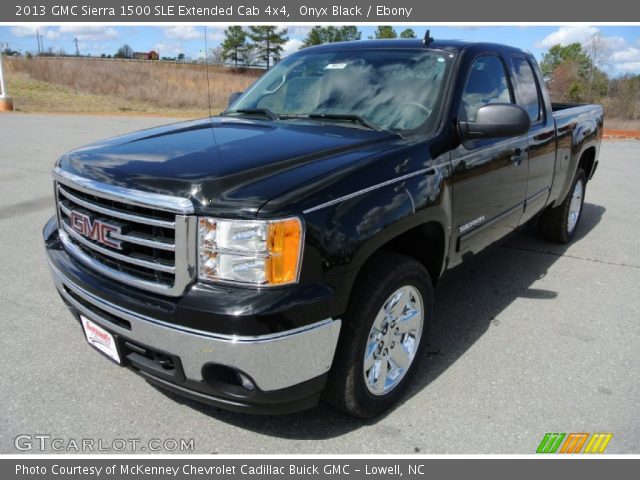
x,y
100,338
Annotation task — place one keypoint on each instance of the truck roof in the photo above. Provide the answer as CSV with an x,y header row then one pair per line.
x,y
412,43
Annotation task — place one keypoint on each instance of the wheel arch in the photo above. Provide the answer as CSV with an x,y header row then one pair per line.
x,y
426,242
588,161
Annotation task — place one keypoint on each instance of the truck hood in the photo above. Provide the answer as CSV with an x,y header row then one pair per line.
x,y
224,165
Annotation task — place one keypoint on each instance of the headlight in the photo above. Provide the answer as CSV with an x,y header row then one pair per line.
x,y
250,251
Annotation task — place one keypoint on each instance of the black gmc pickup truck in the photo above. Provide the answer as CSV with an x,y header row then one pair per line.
x,y
287,249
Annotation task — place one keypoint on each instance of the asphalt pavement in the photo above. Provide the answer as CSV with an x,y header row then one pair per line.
x,y
530,337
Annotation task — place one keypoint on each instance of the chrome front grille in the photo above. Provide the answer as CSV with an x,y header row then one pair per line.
x,y
150,238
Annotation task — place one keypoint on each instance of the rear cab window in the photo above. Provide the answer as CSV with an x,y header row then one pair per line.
x,y
527,88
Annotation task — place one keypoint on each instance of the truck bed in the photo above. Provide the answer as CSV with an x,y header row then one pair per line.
x,y
570,109
555,107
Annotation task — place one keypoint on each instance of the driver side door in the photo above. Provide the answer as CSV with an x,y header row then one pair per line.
x,y
489,176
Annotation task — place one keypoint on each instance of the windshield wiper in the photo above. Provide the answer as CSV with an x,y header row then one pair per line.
x,y
351,117
347,116
254,111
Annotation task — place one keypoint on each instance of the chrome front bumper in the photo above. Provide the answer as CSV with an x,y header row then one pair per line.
x,y
274,361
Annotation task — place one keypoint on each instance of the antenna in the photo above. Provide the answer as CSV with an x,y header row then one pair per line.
x,y
206,59
427,38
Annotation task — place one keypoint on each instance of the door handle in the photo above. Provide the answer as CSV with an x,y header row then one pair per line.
x,y
517,156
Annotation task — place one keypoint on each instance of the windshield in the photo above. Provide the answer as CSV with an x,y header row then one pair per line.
x,y
397,90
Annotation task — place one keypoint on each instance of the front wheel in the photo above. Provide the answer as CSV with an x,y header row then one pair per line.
x,y
384,336
559,224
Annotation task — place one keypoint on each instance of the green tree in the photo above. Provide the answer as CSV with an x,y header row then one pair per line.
x,y
268,41
235,41
347,33
316,36
180,57
572,71
319,35
408,33
125,51
559,54
8,52
384,31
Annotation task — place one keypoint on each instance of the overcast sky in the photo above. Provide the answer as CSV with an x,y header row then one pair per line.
x,y
623,41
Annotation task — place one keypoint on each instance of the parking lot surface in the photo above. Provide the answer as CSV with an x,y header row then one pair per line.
x,y
529,337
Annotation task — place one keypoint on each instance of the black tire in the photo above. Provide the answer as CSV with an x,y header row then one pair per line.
x,y
379,279
553,223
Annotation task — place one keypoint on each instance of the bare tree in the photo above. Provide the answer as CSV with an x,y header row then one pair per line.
x,y
216,56
249,56
598,49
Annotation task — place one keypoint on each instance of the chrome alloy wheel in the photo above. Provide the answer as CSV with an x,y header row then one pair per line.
x,y
393,340
575,206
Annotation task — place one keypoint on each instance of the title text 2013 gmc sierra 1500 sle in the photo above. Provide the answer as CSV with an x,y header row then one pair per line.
x,y
287,249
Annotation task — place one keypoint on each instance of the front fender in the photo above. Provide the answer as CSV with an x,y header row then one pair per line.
x,y
342,237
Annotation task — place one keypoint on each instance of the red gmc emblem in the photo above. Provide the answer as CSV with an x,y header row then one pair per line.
x,y
95,230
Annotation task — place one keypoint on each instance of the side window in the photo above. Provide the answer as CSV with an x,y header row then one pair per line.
x,y
487,83
527,94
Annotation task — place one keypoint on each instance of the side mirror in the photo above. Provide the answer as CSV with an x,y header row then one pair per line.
x,y
496,120
233,97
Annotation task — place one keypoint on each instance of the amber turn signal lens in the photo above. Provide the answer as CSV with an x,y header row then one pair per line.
x,y
284,243
252,252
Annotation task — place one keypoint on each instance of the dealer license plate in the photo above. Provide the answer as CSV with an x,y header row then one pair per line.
x,y
99,338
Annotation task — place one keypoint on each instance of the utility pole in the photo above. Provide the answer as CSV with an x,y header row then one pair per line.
x,y
6,104
77,50
268,45
40,39
1,79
